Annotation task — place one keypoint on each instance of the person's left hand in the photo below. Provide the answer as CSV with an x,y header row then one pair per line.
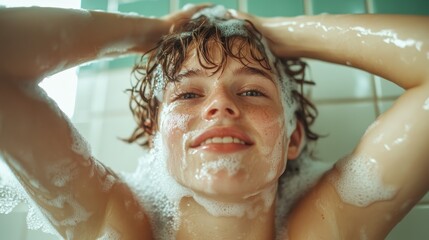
x,y
274,29
175,19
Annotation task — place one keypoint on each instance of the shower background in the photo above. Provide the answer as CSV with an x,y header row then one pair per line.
x,y
348,99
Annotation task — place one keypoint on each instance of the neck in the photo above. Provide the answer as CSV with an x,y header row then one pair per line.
x,y
204,218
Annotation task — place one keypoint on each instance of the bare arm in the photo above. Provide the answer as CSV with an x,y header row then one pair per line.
x,y
392,158
81,198
37,42
381,44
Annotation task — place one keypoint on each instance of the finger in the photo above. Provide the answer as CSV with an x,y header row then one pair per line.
x,y
186,13
190,9
255,20
240,15
178,18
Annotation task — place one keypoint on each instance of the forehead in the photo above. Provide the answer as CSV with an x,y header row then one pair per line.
x,y
214,55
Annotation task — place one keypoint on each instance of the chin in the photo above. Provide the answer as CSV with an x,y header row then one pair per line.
x,y
224,186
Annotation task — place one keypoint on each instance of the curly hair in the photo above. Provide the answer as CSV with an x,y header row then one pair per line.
x,y
202,35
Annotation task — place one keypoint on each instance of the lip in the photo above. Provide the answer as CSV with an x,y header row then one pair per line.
x,y
222,132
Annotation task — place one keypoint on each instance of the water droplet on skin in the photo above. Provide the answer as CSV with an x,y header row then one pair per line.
x,y
363,234
426,104
378,138
389,36
387,147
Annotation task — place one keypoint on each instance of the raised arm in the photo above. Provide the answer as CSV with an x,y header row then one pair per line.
x,y
80,197
37,42
384,45
368,192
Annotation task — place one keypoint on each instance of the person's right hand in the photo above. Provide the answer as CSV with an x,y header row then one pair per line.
x,y
159,27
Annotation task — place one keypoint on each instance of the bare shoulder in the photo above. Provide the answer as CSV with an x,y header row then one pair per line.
x,y
368,192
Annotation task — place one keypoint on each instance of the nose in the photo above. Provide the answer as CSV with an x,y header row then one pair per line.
x,y
220,105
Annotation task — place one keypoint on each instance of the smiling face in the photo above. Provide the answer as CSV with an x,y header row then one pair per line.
x,y
223,133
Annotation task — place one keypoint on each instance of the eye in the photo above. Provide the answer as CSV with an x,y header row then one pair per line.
x,y
186,96
189,95
251,93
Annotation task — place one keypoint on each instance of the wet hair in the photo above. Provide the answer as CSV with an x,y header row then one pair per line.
x,y
162,64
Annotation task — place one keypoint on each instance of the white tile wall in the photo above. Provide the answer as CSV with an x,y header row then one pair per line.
x,y
387,89
105,120
39,235
91,94
116,98
339,122
13,226
15,220
116,153
414,226
385,105
337,82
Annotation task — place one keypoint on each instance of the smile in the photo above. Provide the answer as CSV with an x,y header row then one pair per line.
x,y
223,140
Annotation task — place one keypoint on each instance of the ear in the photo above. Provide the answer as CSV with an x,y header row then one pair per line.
x,y
296,141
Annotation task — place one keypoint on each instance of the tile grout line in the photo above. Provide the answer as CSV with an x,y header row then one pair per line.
x,y
174,6
376,100
112,5
242,5
352,100
369,6
369,9
26,229
308,7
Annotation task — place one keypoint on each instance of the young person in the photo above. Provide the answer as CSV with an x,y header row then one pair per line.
x,y
223,117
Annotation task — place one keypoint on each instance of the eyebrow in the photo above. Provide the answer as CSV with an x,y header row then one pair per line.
x,y
189,73
246,70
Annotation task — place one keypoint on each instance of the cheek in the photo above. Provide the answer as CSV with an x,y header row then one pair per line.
x,y
270,125
174,125
273,141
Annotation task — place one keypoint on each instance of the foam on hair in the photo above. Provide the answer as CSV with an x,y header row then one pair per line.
x,y
161,194
236,27
217,15
228,26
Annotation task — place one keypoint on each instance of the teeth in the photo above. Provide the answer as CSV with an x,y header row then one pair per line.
x,y
223,140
